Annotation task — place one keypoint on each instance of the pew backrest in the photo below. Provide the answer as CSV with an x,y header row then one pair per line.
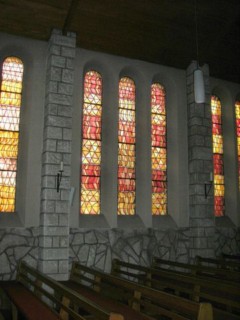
x,y
62,301
200,270
141,298
224,295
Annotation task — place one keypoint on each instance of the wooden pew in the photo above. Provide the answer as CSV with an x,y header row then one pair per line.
x,y
36,296
218,263
203,271
224,296
134,301
230,257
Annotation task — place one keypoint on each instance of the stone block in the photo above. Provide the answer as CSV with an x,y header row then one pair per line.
x,y
63,41
65,88
54,49
65,111
59,121
53,132
67,76
52,86
49,182
57,61
64,146
60,99
49,219
55,231
49,145
63,266
68,52
54,74
50,194
54,253
67,134
45,242
47,206
48,266
62,207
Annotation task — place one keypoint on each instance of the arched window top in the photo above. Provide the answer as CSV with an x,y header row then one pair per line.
x,y
93,87
158,96
127,93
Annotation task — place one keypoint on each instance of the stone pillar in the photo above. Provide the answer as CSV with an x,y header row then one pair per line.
x,y
200,166
54,219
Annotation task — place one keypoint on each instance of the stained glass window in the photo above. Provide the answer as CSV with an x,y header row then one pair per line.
x,y
126,147
218,166
237,109
91,144
159,150
10,104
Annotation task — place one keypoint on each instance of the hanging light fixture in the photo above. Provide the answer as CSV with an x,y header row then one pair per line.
x,y
199,90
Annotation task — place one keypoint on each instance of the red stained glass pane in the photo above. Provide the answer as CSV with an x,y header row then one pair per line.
x,y
159,154
126,147
218,166
10,104
91,144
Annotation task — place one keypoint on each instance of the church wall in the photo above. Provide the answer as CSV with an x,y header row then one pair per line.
x,y
60,236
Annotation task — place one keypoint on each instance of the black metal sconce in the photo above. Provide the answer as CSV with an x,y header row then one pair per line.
x,y
208,185
59,176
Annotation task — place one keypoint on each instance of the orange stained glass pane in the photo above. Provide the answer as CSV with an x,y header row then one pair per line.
x,y
218,166
126,147
126,203
91,144
10,103
237,111
159,151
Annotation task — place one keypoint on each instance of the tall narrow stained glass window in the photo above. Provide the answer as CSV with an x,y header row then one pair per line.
x,y
159,150
10,104
237,109
218,166
126,147
91,144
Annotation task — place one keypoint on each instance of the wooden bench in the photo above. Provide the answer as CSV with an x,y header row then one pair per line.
x,y
203,271
224,296
231,257
38,297
218,263
133,300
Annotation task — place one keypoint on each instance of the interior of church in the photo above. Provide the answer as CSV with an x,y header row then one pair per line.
x,y
120,159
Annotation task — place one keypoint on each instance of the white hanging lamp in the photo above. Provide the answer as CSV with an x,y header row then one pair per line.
x,y
199,90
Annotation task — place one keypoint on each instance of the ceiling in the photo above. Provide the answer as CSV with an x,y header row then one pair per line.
x,y
158,31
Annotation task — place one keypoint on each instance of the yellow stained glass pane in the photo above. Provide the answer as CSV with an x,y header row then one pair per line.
x,y
218,179
90,202
91,152
10,99
92,109
12,86
219,190
126,203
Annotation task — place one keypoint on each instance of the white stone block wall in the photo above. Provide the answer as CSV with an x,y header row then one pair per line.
x,y
200,166
54,229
